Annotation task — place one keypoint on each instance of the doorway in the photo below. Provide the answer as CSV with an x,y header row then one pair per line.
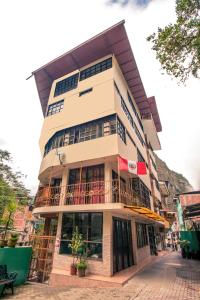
x,y
152,239
122,245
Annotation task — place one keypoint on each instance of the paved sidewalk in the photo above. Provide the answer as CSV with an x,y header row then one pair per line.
x,y
169,278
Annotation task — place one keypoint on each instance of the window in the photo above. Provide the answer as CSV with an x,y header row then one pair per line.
x,y
139,156
90,225
55,108
87,131
127,113
85,92
95,69
121,130
142,239
157,184
124,107
141,190
139,135
153,163
128,134
86,185
66,85
134,110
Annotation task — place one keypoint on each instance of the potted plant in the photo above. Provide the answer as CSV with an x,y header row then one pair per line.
x,y
81,267
75,245
185,245
13,240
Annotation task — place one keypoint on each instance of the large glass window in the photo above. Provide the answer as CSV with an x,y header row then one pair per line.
x,y
86,185
55,108
87,131
142,239
66,85
90,225
95,69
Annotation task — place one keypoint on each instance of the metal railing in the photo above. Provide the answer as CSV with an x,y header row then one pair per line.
x,y
89,193
48,196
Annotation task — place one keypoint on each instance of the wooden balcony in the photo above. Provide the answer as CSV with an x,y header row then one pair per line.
x,y
98,192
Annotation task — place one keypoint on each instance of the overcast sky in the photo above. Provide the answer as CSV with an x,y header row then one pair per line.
x,y
34,32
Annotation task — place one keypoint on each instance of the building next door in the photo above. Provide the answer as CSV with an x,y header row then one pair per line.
x,y
122,245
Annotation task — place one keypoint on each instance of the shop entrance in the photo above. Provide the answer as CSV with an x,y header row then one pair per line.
x,y
122,245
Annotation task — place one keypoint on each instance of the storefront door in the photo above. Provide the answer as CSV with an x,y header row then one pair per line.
x,y
122,245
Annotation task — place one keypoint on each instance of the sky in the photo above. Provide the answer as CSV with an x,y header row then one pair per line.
x,y
34,32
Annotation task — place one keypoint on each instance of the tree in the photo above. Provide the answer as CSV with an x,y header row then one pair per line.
x,y
13,194
177,46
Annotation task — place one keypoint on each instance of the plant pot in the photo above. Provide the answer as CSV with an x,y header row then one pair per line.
x,y
73,270
81,272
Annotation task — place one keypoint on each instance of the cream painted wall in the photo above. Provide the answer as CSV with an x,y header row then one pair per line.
x,y
78,110
92,149
123,87
102,101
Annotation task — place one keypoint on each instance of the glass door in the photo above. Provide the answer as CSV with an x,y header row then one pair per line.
x,y
122,245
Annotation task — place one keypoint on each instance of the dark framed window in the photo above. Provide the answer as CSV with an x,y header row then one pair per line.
x,y
142,238
95,69
121,130
139,156
66,85
153,163
128,114
141,190
139,135
87,131
157,184
55,108
134,110
85,92
90,225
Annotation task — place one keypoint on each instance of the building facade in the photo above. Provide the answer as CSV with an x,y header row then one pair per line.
x,y
95,110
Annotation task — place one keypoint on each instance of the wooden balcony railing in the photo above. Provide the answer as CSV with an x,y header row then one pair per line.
x,y
89,193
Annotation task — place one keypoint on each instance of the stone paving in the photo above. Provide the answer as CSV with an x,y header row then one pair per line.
x,y
169,278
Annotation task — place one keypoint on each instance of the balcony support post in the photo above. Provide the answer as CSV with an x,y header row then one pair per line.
x,y
65,176
108,182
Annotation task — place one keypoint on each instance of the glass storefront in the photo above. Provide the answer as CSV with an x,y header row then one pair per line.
x,y
90,225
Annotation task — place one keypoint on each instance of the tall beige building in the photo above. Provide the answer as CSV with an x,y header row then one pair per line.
x,y
96,109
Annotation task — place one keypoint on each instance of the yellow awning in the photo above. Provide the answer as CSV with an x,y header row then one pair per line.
x,y
149,214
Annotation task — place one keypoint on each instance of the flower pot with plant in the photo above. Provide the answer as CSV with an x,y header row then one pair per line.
x,y
81,267
75,245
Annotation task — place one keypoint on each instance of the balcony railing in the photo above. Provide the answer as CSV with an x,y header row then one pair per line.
x,y
48,196
89,193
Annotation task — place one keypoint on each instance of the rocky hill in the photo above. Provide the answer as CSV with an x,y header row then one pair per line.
x,y
177,183
180,183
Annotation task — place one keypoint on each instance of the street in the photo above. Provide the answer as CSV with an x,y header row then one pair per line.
x,y
169,278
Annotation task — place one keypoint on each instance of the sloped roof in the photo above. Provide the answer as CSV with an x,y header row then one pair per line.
x,y
113,40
